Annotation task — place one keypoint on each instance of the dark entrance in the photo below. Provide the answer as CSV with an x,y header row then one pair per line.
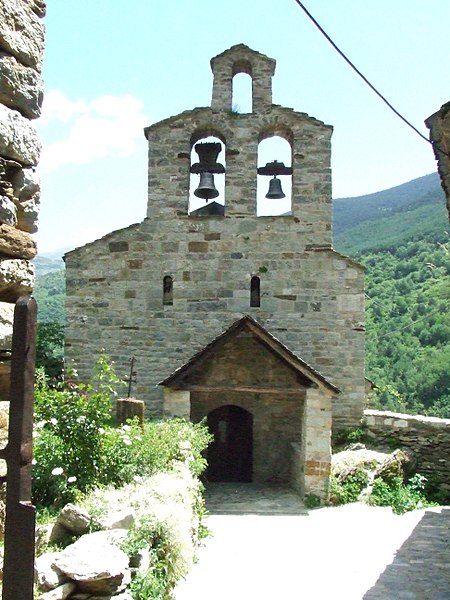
x,y
230,455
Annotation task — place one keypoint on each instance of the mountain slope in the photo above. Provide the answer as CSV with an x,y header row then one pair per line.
x,y
414,210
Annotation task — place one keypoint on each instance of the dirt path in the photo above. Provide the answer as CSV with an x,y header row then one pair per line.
x,y
354,552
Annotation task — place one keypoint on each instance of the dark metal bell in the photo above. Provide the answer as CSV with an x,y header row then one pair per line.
x,y
206,188
275,190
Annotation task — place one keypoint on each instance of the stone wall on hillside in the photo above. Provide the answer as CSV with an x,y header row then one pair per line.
x,y
427,437
21,93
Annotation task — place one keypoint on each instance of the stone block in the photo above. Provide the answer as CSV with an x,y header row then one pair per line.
x,y
16,279
198,246
21,31
16,243
8,211
18,138
21,88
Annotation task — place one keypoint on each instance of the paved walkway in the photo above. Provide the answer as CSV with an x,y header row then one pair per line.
x,y
265,545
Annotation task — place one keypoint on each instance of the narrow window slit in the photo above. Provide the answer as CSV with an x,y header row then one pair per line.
x,y
255,291
168,290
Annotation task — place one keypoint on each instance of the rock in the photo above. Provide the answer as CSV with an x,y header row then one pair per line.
x,y
60,593
8,211
6,325
16,278
47,576
98,566
16,243
395,465
27,194
21,87
21,31
141,560
18,138
123,519
75,519
42,536
346,462
59,534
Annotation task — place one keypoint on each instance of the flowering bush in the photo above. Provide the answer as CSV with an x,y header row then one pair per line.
x,y
76,446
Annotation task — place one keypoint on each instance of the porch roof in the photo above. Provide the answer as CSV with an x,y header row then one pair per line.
x,y
305,371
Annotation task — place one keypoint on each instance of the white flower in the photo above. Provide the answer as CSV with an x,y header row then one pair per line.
x,y
58,471
39,424
126,440
81,419
137,478
126,428
53,421
101,430
33,462
71,479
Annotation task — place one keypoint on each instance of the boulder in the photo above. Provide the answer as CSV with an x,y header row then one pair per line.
x,y
123,519
47,576
16,243
345,463
97,565
18,138
60,593
74,519
21,31
395,465
16,278
21,87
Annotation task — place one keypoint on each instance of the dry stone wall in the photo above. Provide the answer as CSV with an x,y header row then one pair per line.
x,y
427,437
21,93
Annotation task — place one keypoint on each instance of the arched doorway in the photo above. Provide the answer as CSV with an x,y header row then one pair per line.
x,y
230,455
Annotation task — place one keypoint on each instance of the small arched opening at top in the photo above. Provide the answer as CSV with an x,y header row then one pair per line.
x,y
274,145
207,190
255,292
242,97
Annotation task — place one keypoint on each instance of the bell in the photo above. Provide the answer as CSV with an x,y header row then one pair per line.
x,y
275,190
206,188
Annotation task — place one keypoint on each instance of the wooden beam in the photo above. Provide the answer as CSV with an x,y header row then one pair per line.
x,y
240,388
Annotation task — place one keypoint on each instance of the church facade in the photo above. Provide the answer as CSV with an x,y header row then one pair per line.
x,y
253,322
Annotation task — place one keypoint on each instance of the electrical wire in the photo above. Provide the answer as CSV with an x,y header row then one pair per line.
x,y
358,72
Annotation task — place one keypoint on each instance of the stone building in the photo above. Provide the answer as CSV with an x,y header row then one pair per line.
x,y
21,93
254,322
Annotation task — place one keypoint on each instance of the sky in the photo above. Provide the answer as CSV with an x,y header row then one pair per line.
x,y
112,68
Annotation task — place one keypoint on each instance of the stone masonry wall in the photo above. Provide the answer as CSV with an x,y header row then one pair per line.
x,y
21,93
427,437
439,126
311,296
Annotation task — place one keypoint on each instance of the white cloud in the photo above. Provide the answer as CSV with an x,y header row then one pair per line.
x,y
105,126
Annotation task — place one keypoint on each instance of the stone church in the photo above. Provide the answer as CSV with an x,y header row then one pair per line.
x,y
252,322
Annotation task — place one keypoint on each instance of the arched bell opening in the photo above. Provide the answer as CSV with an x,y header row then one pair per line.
x,y
274,179
242,93
230,454
207,176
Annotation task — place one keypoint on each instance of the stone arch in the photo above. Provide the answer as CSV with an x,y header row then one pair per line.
x,y
196,205
275,142
230,454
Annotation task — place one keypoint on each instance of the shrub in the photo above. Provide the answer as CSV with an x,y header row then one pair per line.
x,y
350,489
402,498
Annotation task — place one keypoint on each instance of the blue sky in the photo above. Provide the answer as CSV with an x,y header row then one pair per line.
x,y
111,68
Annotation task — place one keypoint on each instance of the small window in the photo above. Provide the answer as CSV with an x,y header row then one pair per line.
x,y
255,291
168,290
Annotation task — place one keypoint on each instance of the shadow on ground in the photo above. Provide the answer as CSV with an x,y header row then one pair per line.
x,y
252,499
420,570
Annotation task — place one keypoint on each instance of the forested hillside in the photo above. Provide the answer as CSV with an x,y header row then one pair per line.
x,y
400,235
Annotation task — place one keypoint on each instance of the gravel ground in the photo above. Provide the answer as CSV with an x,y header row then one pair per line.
x,y
353,552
